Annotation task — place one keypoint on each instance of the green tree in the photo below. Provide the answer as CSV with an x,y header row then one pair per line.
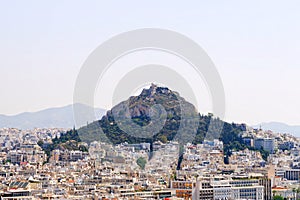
x,y
163,139
141,162
40,143
278,197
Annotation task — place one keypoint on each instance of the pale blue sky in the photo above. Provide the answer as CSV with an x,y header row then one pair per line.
x,y
254,44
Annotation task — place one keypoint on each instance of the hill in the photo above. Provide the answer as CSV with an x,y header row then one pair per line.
x,y
61,117
130,121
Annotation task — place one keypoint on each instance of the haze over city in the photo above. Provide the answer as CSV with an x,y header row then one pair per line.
x,y
254,45
144,100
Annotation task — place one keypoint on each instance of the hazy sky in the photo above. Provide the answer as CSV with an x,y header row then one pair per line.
x,y
255,45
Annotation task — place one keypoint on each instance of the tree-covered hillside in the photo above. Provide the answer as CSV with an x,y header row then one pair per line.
x,y
156,114
182,122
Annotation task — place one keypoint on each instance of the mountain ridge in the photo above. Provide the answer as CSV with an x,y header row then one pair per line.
x,y
280,127
56,117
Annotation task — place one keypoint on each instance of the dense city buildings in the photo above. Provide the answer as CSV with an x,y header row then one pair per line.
x,y
145,171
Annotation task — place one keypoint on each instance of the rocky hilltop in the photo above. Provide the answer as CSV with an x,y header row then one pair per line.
x,y
158,113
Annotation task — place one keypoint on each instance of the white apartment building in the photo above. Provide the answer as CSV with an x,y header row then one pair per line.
x,y
268,144
238,189
247,189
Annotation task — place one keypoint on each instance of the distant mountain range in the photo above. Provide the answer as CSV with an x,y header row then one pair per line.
x,y
60,117
279,127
